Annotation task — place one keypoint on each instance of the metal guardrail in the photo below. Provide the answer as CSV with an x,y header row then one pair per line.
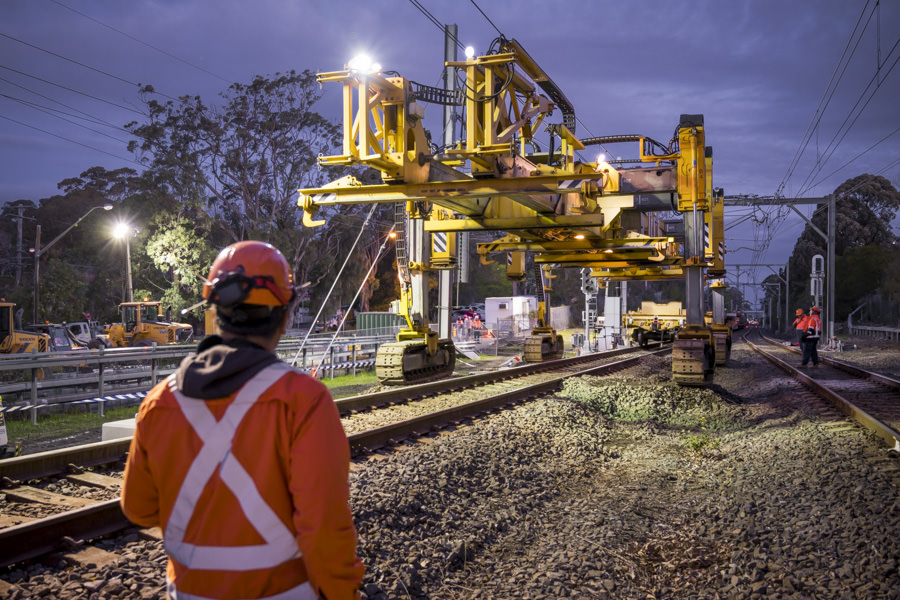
x,y
884,333
46,378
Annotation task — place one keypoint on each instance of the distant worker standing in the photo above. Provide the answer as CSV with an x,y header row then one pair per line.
x,y
799,327
811,337
240,459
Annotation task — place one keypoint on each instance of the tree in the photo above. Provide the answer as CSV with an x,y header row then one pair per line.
x,y
865,207
74,270
235,168
181,254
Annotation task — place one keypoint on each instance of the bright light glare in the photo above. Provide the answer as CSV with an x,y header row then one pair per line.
x,y
601,158
470,51
363,63
121,230
579,236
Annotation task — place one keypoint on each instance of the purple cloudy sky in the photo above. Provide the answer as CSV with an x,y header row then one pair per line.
x,y
758,70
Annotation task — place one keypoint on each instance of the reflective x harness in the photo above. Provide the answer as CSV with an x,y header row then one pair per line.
x,y
217,436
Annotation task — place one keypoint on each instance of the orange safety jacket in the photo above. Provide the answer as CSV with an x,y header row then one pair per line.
x,y
251,490
813,327
800,323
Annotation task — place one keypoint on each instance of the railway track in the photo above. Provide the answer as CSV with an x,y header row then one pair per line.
x,y
870,399
834,442
372,421
60,515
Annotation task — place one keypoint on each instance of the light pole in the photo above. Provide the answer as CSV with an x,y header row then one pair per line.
x,y
38,252
123,230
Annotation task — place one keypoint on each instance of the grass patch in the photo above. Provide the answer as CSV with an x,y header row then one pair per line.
x,y
703,441
350,385
366,378
62,425
22,432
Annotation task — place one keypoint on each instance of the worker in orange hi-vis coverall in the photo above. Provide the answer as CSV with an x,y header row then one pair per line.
x,y
242,460
799,326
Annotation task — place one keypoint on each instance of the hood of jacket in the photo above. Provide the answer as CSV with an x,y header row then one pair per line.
x,y
220,367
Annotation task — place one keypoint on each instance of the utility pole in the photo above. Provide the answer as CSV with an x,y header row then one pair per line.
x,y
19,245
829,238
445,281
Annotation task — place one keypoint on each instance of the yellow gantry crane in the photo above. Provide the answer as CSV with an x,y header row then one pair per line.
x,y
565,212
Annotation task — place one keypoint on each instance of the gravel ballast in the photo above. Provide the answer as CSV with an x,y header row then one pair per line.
x,y
624,487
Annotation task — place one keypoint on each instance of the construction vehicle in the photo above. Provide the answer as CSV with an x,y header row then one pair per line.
x,y
654,322
143,324
543,343
60,338
541,198
16,341
87,334
694,352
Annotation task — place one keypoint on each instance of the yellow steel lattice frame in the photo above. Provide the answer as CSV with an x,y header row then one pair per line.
x,y
382,126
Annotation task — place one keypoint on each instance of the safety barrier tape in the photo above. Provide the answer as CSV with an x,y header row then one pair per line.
x,y
131,396
345,365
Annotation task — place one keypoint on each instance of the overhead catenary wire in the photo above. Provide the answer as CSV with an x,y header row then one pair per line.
x,y
88,146
122,106
140,41
487,18
81,114
337,278
52,112
835,141
71,60
823,102
776,218
340,326
434,20
852,160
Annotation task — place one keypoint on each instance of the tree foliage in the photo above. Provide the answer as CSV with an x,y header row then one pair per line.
x,y
864,243
241,161
234,169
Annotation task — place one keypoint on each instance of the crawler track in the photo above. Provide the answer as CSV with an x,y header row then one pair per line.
x,y
372,421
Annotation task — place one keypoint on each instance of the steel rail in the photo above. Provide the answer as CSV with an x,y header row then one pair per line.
x,y
366,440
846,367
43,464
42,536
412,392
53,462
883,431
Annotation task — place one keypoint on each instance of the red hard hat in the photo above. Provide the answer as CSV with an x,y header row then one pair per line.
x,y
799,312
249,272
815,309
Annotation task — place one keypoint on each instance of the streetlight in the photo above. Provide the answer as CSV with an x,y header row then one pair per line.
x,y
38,252
123,230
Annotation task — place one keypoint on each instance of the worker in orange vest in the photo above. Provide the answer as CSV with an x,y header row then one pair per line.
x,y
811,337
799,327
242,460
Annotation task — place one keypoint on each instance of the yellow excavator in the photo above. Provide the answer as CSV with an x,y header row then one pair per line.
x,y
143,324
13,341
